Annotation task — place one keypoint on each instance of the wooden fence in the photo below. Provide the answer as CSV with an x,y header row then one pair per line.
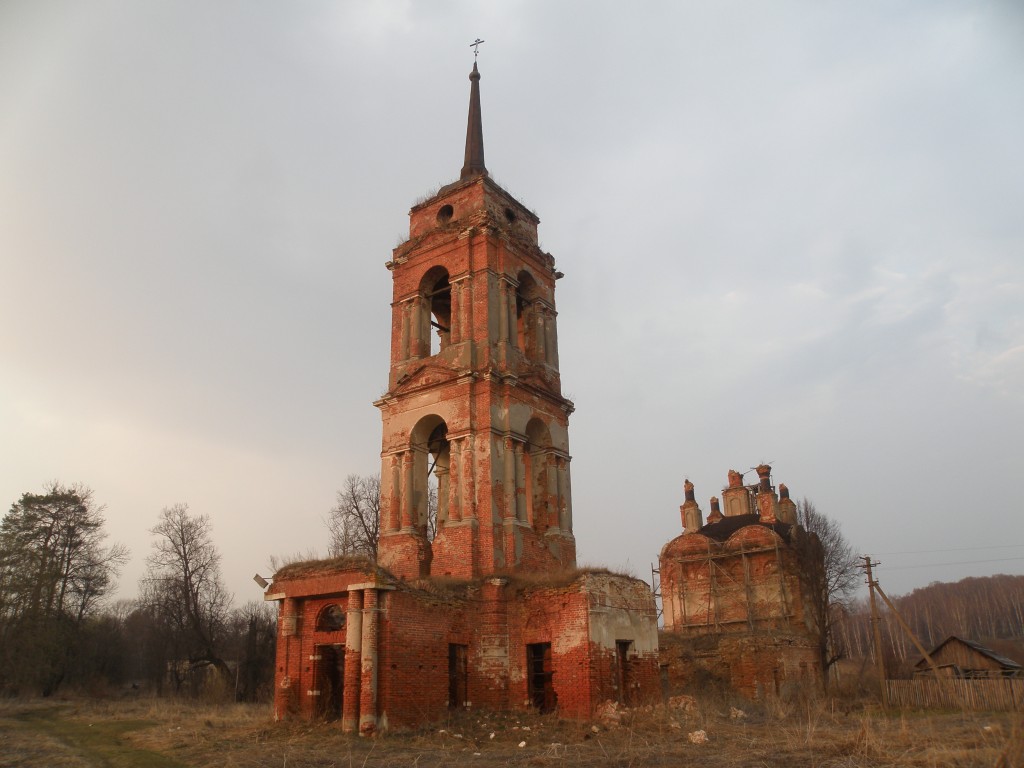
x,y
953,693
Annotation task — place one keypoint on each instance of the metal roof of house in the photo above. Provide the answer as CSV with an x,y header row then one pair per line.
x,y
1003,661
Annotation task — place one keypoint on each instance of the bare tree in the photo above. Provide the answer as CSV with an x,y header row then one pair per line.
x,y
354,522
431,509
254,637
55,570
830,576
183,589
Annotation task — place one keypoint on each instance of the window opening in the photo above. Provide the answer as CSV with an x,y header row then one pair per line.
x,y
540,677
458,675
526,315
437,480
440,319
331,619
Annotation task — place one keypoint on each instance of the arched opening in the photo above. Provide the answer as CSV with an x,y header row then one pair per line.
x,y
435,316
431,462
542,509
527,293
331,619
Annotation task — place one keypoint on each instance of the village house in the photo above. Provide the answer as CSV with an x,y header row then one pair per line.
x,y
959,658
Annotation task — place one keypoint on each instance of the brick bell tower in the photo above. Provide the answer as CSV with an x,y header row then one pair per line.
x,y
474,397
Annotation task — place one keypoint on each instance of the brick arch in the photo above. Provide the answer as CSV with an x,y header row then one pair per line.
x,y
752,536
428,442
434,312
330,618
542,492
528,292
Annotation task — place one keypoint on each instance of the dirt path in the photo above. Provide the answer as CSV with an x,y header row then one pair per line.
x,y
48,737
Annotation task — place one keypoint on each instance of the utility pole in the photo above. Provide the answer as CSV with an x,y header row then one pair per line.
x,y
879,661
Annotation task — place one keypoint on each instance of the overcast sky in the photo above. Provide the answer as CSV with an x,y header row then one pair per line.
x,y
790,232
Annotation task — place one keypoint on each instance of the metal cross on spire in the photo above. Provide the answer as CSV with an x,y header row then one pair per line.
x,y
475,45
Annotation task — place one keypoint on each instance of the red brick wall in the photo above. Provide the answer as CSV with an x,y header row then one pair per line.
x,y
754,664
496,620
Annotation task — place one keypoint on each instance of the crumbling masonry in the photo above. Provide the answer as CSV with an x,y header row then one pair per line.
x,y
735,593
492,612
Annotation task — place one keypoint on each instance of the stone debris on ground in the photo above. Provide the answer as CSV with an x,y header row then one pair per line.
x,y
698,737
684,702
737,714
609,714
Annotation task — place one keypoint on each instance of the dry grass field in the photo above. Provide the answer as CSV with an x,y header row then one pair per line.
x,y
165,734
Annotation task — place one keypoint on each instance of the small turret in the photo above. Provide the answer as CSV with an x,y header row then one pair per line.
x,y
736,496
787,508
693,518
766,501
716,512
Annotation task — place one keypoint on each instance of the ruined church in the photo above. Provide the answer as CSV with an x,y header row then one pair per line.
x,y
738,593
492,611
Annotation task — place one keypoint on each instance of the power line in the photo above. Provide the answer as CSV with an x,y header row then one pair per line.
x,y
958,562
954,549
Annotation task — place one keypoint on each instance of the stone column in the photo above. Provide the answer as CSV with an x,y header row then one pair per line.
x,y
465,305
454,462
467,499
510,479
394,518
562,496
510,309
416,329
407,511
553,340
404,313
520,483
552,496
455,331
353,662
287,628
443,490
567,495
503,324
540,312
368,677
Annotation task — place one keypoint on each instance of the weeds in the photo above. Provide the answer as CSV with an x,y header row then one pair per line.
x,y
771,733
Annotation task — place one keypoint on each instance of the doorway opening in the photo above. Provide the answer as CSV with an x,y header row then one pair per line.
x,y
329,674
623,679
540,677
458,675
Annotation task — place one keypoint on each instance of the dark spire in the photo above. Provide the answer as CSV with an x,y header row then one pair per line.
x,y
474,165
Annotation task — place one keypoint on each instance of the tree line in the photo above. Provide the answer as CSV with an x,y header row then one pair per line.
x,y
182,634
58,627
986,609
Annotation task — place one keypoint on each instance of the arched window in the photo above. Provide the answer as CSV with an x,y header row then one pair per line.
x,y
431,461
527,294
331,619
542,511
434,321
